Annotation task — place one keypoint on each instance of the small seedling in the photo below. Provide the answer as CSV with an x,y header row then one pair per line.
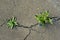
x,y
12,23
44,18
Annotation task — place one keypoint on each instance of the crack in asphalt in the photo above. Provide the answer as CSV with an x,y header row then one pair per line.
x,y
29,27
27,35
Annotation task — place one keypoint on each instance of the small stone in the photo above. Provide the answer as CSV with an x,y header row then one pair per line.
x,y
38,8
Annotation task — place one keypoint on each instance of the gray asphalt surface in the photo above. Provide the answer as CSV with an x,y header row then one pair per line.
x,y
25,11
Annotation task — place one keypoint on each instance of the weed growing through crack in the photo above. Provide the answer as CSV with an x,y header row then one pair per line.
x,y
44,18
12,22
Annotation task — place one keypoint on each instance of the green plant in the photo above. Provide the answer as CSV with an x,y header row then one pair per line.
x,y
44,18
12,22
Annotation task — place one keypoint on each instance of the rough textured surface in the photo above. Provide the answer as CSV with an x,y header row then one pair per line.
x,y
25,10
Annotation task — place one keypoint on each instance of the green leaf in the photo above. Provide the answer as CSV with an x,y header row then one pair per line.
x,y
50,20
15,23
12,22
43,18
37,18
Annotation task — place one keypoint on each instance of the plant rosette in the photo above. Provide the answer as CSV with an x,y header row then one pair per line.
x,y
44,18
11,23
